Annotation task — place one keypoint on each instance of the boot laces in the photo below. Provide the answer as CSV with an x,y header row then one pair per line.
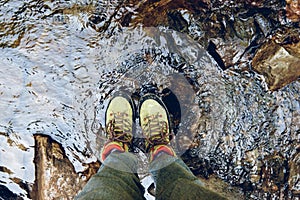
x,y
119,128
156,130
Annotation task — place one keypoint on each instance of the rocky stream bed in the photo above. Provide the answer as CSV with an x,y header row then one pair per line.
x,y
233,68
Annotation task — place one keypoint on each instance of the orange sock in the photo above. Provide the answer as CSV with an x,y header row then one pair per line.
x,y
113,146
159,149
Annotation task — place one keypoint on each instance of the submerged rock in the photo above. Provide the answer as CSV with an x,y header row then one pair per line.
x,y
55,175
5,193
293,10
278,60
294,173
216,184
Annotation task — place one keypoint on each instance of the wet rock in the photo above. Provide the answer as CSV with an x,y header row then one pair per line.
x,y
234,37
154,13
216,184
244,27
231,31
5,193
226,53
177,22
125,22
263,24
293,10
241,31
278,62
273,173
294,166
55,174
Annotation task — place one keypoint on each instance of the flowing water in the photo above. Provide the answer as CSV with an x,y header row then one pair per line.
x,y
58,70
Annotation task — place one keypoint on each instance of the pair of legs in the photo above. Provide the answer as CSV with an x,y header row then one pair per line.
x,y
117,177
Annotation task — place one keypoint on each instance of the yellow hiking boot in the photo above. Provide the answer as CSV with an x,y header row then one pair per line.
x,y
119,119
155,123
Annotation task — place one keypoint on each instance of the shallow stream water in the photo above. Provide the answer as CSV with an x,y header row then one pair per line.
x,y
58,71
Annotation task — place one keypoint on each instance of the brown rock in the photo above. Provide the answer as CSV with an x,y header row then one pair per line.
x,y
153,13
294,166
55,175
278,62
273,173
225,189
229,52
293,10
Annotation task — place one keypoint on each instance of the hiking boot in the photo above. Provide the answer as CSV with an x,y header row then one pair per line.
x,y
119,118
154,120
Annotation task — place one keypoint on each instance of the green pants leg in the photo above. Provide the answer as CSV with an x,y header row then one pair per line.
x,y
116,179
174,180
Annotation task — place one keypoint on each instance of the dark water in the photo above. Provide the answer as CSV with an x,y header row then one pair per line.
x,y
60,65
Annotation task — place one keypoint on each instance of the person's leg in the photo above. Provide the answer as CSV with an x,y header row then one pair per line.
x,y
116,179
173,178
